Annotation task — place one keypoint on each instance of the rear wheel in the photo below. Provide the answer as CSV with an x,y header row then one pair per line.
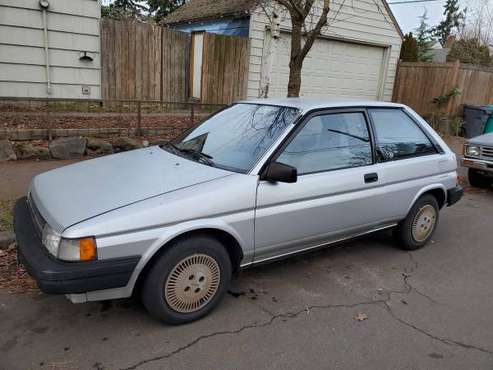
x,y
419,225
188,280
478,180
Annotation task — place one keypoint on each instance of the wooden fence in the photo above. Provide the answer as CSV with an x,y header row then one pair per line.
x,y
148,62
417,84
224,68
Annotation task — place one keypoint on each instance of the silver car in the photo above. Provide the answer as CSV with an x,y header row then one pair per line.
x,y
258,181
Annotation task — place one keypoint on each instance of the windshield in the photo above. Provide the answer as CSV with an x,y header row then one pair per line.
x,y
235,138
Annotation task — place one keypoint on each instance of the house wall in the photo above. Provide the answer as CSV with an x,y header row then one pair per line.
x,y
359,21
73,27
224,26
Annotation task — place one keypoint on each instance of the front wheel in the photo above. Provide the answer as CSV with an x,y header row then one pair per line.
x,y
418,227
188,280
477,179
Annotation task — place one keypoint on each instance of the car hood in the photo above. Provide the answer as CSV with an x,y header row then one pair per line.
x,y
486,139
71,194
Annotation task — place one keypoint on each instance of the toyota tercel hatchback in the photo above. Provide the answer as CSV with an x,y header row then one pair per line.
x,y
258,181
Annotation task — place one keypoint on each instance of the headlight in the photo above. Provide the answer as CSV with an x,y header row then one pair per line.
x,y
51,240
473,151
69,249
77,249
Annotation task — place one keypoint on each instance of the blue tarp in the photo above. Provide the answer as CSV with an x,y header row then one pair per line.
x,y
225,26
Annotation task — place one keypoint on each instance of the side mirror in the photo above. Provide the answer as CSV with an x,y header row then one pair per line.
x,y
279,172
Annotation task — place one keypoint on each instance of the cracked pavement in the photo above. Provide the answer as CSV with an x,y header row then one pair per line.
x,y
427,309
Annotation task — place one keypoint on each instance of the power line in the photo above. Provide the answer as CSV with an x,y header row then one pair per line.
x,y
413,2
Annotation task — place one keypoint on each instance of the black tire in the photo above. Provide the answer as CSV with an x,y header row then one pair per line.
x,y
477,179
405,231
153,292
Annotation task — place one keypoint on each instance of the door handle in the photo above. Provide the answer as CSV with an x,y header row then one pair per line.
x,y
371,177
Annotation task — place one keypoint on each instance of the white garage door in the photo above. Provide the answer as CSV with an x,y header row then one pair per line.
x,y
331,68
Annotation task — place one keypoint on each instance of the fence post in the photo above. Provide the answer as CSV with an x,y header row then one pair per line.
x,y
48,121
453,84
139,118
192,113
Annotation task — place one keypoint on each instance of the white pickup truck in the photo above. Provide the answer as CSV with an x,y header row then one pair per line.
x,y
478,157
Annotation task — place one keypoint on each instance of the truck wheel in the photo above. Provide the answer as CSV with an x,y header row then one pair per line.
x,y
477,179
187,281
419,225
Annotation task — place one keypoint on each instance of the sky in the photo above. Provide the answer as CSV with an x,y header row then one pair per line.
x,y
407,14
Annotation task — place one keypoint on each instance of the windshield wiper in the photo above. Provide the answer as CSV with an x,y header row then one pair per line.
x,y
366,140
193,153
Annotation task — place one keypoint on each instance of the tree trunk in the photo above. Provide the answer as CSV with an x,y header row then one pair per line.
x,y
294,84
295,62
299,11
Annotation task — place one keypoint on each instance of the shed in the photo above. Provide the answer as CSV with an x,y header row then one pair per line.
x,y
356,56
50,48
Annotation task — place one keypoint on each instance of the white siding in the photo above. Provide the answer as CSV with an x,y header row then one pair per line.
x,y
332,68
73,27
356,21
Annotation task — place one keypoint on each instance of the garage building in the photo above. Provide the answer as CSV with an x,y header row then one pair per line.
x,y
356,55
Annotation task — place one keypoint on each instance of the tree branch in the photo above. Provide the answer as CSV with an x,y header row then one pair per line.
x,y
315,32
308,6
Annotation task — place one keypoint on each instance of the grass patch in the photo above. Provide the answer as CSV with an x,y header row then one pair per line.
x,y
6,218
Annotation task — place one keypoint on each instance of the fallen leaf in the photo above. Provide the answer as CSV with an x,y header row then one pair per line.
x,y
361,316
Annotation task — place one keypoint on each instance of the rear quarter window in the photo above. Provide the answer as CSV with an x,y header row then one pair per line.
x,y
397,136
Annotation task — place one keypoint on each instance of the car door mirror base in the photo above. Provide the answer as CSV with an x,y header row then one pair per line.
x,y
279,172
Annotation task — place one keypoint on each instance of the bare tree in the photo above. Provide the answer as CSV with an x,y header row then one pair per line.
x,y
307,22
479,22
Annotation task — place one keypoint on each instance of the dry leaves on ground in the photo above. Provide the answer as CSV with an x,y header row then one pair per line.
x,y
14,277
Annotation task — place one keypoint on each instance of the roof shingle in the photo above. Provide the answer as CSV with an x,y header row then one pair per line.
x,y
196,10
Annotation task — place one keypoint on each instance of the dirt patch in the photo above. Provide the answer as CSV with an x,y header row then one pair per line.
x,y
95,120
6,218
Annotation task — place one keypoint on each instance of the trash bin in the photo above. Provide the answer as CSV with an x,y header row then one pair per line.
x,y
489,124
475,120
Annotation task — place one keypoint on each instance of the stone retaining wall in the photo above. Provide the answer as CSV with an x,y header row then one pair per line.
x,y
73,147
48,134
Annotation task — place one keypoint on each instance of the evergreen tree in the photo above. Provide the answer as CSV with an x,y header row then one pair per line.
x,y
424,39
409,49
161,8
453,20
119,9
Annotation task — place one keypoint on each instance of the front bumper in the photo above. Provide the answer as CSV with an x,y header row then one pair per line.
x,y
454,195
478,164
57,277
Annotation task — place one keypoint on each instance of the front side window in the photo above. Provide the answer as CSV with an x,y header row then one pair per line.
x,y
329,142
237,137
398,136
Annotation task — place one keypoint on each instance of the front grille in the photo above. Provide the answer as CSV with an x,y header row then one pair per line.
x,y
487,152
39,221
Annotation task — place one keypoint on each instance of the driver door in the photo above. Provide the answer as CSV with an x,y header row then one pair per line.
x,y
337,192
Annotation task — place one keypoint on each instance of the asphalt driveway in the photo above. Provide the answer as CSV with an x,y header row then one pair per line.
x,y
362,304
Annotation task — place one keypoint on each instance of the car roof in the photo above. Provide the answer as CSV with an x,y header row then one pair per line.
x,y
308,104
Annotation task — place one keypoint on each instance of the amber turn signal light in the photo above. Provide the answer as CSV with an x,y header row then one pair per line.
x,y
87,249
